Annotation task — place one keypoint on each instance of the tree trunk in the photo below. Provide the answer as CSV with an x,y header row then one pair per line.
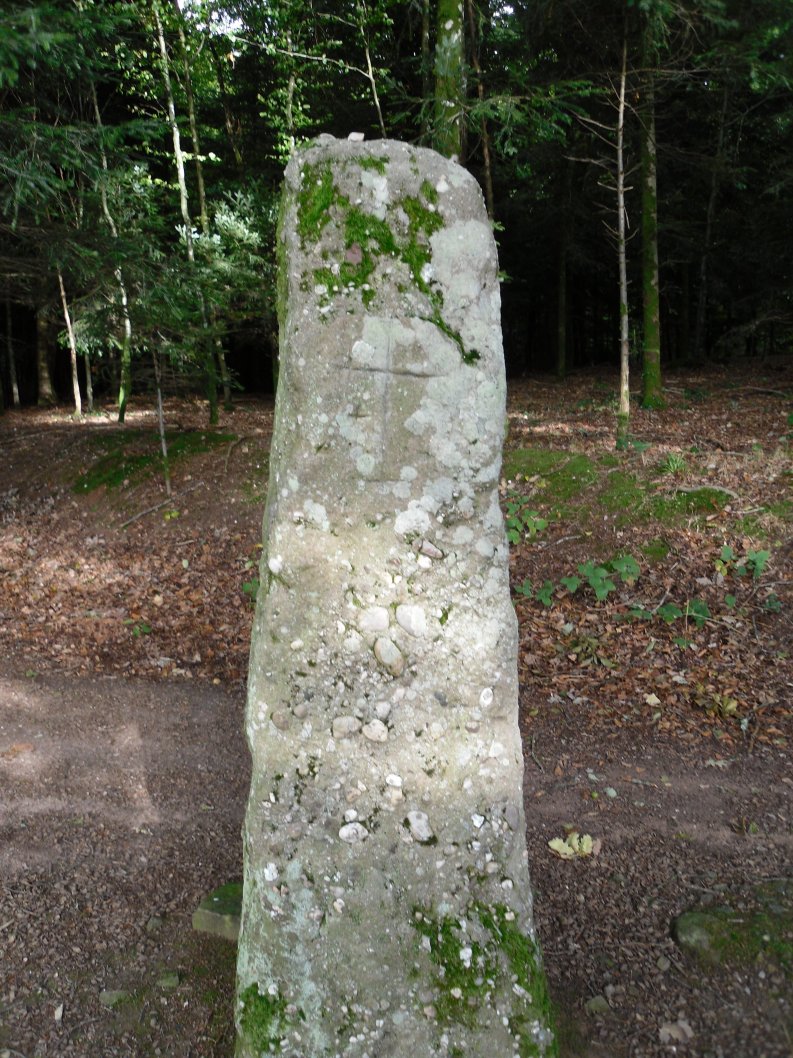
x,y
78,404
449,130
426,72
710,214
89,382
125,382
487,165
46,394
176,138
624,409
565,238
210,375
652,390
228,118
12,364
161,422
203,211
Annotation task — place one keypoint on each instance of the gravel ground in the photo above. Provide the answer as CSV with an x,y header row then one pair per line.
x,y
121,806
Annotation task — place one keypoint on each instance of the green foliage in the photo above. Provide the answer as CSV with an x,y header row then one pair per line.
x,y
251,589
753,563
521,520
675,463
133,454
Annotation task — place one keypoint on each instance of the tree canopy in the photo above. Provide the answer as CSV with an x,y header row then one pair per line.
x,y
142,146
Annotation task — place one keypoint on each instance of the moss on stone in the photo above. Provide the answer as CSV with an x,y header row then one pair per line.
x,y
316,196
464,985
377,164
265,1020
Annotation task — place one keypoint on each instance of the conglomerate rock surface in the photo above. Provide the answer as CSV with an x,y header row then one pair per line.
x,y
387,906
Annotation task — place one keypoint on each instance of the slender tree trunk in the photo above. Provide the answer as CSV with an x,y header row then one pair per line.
x,y
561,311
449,130
203,212
426,72
565,239
624,409
89,382
161,423
78,404
487,165
228,117
652,389
191,117
176,138
363,20
210,376
46,394
125,381
12,364
710,214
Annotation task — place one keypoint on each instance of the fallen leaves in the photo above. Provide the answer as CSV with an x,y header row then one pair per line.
x,y
575,846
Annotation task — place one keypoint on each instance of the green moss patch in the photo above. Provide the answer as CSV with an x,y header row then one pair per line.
x,y
134,454
496,951
317,195
367,237
722,936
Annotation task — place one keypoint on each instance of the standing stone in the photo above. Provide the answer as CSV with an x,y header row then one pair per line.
x,y
387,908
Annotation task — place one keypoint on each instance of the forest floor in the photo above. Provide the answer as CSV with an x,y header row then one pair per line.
x,y
656,702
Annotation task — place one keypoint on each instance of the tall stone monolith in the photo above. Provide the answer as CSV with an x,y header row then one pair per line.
x,y
387,910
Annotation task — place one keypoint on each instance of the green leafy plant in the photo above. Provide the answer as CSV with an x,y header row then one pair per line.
x,y
138,628
675,463
521,520
251,589
698,611
754,563
545,593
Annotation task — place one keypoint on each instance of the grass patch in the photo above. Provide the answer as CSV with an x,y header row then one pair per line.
x,y
134,454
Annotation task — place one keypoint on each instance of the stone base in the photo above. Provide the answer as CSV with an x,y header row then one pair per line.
x,y
219,912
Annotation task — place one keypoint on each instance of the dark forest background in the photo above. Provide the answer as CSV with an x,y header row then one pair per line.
x,y
142,146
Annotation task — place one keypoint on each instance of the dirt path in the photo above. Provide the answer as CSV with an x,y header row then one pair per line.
x,y
122,803
123,771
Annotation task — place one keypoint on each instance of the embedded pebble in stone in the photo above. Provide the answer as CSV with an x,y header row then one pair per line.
x,y
301,710
275,564
353,833
382,710
281,719
423,562
389,656
270,872
344,726
412,619
352,643
478,821
511,816
296,644
394,780
350,815
419,826
486,697
430,550
375,731
375,619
